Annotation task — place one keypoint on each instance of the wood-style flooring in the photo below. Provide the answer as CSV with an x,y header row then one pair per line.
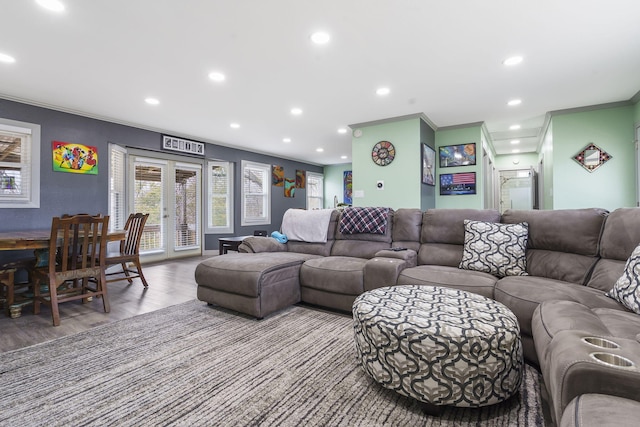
x,y
170,282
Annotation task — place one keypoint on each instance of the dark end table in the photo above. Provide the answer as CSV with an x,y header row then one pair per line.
x,y
229,243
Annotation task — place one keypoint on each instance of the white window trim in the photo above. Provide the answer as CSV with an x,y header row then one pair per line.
x,y
34,162
230,214
267,218
121,180
321,177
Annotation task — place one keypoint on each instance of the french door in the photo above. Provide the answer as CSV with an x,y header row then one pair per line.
x,y
170,191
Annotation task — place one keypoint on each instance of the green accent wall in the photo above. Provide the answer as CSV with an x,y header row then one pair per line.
x,y
334,184
456,136
524,161
612,185
402,178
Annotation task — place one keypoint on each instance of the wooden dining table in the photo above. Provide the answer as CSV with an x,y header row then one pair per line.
x,y
39,239
35,240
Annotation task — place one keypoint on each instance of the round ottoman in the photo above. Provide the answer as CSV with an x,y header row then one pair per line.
x,y
438,345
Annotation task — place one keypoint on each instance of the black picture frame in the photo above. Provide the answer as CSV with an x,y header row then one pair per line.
x,y
428,165
456,184
457,155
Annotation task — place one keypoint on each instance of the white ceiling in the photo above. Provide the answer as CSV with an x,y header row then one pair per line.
x,y
102,58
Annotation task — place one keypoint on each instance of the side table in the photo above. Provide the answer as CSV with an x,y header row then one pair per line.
x,y
229,243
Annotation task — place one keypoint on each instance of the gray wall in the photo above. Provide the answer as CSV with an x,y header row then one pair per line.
x,y
68,193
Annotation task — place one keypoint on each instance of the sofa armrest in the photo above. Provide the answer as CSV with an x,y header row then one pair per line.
x,y
384,271
258,244
408,255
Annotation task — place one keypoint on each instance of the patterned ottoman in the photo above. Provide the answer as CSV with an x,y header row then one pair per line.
x,y
438,345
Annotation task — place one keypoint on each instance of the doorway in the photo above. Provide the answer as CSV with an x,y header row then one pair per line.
x,y
170,191
518,189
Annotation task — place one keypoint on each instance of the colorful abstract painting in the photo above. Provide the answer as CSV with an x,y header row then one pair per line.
x,y
347,195
301,179
277,176
74,158
289,187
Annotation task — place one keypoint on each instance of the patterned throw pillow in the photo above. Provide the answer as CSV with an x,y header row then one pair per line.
x,y
627,289
499,249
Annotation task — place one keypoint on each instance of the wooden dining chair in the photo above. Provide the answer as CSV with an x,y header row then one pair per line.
x,y
76,267
129,251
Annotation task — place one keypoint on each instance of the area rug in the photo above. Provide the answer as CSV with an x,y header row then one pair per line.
x,y
193,364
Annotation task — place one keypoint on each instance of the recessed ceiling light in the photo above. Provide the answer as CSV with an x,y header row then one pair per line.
x,y
54,5
319,150
217,76
514,102
320,37
515,141
383,91
514,60
234,125
514,127
343,157
152,101
287,140
296,111
7,58
342,130
515,151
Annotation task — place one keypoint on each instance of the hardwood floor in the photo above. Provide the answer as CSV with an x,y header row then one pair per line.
x,y
171,282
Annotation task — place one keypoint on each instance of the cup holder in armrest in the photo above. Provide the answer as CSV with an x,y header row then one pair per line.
x,y
600,342
614,360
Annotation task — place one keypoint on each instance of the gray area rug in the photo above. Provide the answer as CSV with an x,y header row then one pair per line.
x,y
191,364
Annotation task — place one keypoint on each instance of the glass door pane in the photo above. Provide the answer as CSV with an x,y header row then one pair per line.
x,y
187,208
149,198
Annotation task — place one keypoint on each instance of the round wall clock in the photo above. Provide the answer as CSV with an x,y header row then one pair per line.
x,y
383,153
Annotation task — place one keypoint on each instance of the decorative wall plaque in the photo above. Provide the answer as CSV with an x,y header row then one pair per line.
x,y
592,157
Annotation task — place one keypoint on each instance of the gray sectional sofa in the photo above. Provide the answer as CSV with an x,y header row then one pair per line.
x,y
573,257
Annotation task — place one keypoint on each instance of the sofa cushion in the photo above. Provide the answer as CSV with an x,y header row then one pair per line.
x,y
597,410
451,277
523,294
495,248
627,289
442,234
406,228
338,274
562,244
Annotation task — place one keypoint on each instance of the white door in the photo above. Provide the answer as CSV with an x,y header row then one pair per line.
x,y
171,193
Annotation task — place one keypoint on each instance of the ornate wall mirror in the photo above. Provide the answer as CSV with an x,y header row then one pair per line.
x,y
592,157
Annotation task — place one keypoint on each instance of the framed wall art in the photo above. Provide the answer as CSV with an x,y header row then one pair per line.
x,y
458,155
457,183
277,176
428,165
74,158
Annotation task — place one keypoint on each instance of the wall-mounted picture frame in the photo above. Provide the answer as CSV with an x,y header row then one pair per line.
x,y
457,155
452,184
277,176
182,145
428,165
74,158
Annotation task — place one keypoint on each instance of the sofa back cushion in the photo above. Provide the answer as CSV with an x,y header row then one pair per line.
x,y
324,248
406,228
362,245
562,244
620,236
442,234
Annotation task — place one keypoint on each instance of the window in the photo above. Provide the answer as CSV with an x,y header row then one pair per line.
x,y
256,193
117,187
19,164
220,197
315,190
